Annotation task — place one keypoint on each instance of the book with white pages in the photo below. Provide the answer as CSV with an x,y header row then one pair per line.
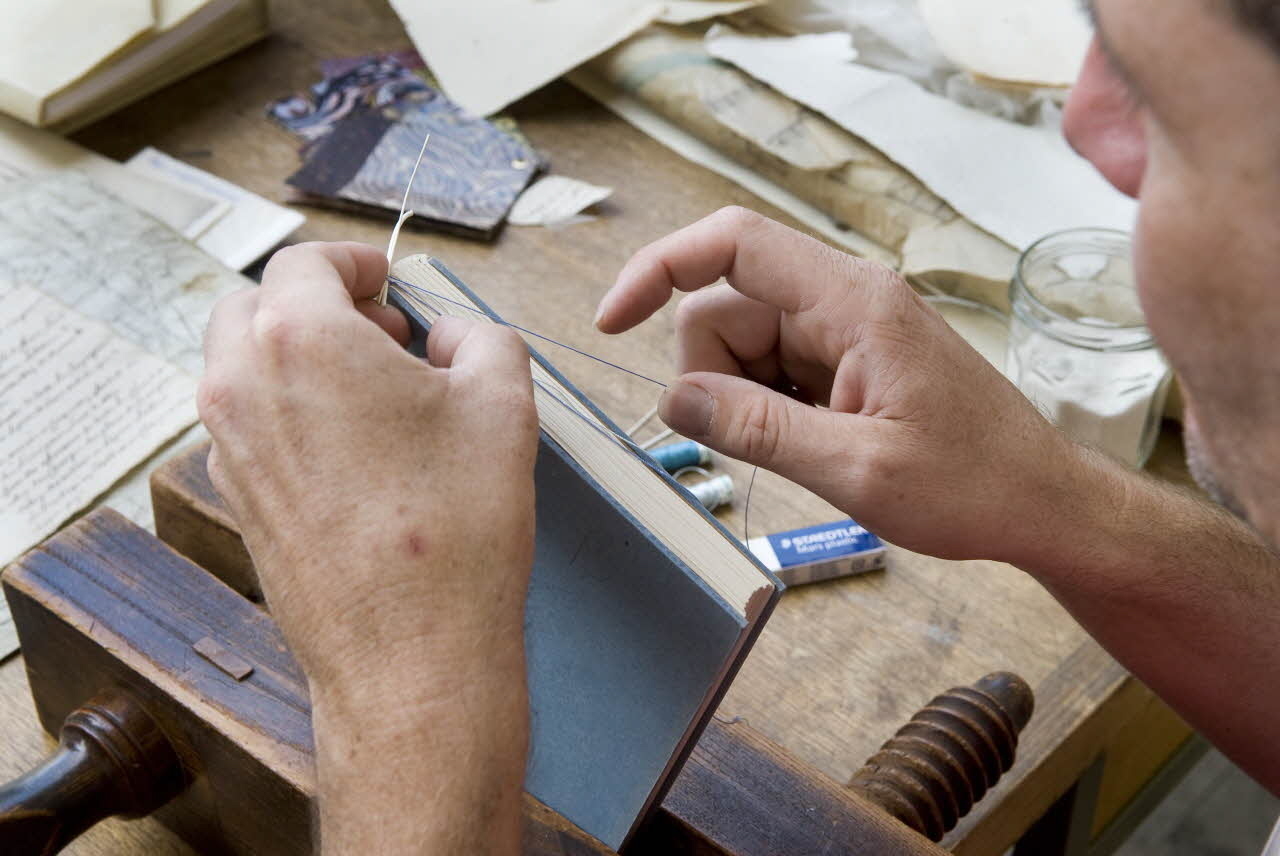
x,y
641,605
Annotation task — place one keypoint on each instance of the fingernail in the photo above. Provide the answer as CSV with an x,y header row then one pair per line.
x,y
600,312
687,409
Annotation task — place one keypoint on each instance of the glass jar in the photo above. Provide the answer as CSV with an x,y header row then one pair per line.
x,y
1079,347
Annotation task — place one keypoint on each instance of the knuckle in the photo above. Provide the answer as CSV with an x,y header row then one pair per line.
x,y
276,331
286,257
508,338
214,400
758,429
739,219
691,311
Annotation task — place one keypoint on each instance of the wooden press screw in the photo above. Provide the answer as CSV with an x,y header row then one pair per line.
x,y
111,759
952,752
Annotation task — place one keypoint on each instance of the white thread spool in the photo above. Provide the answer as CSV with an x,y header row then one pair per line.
x,y
714,492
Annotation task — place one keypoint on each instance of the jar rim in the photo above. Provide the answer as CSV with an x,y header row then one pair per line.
x,y
1076,327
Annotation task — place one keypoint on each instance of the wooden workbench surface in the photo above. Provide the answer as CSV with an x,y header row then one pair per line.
x,y
841,665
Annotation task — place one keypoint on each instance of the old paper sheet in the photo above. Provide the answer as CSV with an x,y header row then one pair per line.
x,y
106,260
693,148
248,225
778,125
488,53
858,191
80,247
27,151
1016,182
81,407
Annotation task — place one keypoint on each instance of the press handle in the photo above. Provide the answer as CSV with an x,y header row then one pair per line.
x,y
112,759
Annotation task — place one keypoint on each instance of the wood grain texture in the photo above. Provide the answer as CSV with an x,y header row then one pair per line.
x,y
942,762
105,607
842,664
740,793
191,518
1091,698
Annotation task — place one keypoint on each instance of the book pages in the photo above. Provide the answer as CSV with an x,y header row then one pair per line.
x,y
87,34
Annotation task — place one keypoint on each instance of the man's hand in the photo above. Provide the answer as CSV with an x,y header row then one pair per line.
x,y
926,444
388,507
919,438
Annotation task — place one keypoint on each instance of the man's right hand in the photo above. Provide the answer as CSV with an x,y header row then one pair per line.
x,y
919,438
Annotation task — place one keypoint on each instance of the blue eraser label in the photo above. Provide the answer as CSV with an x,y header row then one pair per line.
x,y
818,543
819,552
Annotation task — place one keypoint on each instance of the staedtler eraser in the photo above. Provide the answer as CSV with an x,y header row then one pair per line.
x,y
823,552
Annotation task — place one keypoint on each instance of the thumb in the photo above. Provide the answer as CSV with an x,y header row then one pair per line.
x,y
744,420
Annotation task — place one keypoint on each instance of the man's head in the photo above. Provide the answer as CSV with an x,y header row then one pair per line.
x,y
1178,104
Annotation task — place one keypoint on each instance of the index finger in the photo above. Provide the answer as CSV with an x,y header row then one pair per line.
x,y
323,274
757,256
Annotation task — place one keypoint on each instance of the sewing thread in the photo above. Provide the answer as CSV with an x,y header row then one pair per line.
x,y
418,288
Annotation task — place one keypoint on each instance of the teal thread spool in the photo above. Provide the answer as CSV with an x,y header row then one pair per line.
x,y
677,456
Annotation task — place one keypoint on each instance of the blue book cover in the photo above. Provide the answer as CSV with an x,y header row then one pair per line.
x,y
641,605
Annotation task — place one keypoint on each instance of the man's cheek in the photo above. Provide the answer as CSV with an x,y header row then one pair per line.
x,y
1169,259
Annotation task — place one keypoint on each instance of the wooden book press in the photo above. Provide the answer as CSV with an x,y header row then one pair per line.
x,y
173,695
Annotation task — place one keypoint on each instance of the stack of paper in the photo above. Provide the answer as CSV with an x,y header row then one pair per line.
x,y
226,221
103,308
64,63
1016,182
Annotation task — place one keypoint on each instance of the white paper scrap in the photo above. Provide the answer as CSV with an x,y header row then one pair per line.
x,y
250,225
488,53
1031,41
553,199
1016,182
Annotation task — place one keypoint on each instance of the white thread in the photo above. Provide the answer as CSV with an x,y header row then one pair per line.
x,y
552,341
713,491
405,214
395,236
716,491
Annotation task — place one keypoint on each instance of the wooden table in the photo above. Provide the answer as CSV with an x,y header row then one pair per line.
x,y
842,664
